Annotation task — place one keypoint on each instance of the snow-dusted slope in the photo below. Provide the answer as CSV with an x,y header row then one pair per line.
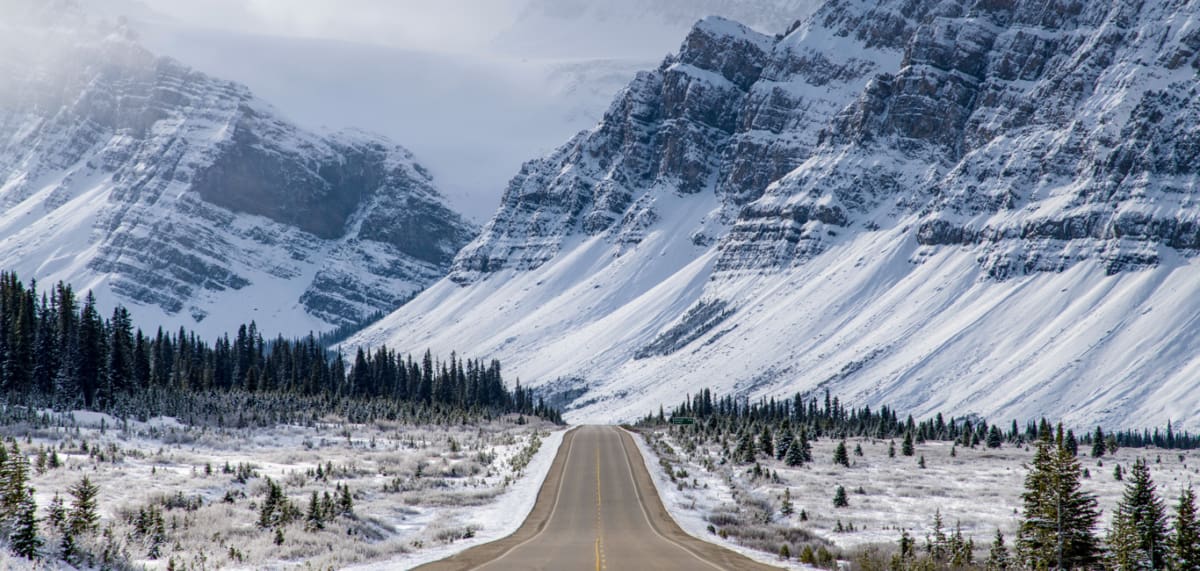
x,y
191,201
960,206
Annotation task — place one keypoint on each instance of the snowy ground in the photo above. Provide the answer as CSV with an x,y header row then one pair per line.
x,y
420,492
978,489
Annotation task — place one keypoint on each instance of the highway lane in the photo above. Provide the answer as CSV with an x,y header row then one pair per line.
x,y
598,509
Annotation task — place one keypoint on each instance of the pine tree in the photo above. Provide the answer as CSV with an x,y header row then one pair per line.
x,y
805,447
839,498
14,479
83,518
994,437
346,502
840,456
314,519
795,455
1138,539
906,448
744,452
786,507
56,513
766,443
783,444
24,539
1098,443
936,542
1185,539
1058,518
998,554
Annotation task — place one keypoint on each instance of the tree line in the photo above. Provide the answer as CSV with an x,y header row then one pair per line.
x,y
58,352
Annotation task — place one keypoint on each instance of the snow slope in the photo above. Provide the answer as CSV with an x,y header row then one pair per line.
x,y
193,202
906,203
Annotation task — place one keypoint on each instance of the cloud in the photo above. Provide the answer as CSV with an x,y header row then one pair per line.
x,y
446,25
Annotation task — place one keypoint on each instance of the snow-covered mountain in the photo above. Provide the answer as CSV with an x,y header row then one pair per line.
x,y
964,206
191,201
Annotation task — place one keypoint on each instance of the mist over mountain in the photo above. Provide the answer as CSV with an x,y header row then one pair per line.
x,y
192,201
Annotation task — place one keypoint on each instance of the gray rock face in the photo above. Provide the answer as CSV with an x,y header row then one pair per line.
x,y
732,112
1041,132
180,188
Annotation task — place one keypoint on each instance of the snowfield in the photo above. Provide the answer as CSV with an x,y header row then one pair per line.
x,y
978,489
420,493
876,318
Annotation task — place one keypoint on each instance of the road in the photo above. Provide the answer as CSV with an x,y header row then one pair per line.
x,y
598,509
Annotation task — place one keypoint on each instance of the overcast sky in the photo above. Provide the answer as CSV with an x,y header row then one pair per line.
x,y
473,87
447,25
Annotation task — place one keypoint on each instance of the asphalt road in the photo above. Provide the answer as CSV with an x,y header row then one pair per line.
x,y
598,509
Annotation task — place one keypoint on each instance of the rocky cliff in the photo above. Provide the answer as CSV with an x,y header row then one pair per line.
x,y
970,206
191,200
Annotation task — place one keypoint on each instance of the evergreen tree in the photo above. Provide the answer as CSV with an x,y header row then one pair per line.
x,y
314,519
805,447
786,507
83,517
998,554
14,479
906,448
839,498
1185,537
795,455
994,437
1098,443
766,443
744,453
346,502
56,513
1058,518
783,444
24,539
840,456
1138,539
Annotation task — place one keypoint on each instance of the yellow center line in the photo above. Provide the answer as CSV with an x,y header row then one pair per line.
x,y
599,523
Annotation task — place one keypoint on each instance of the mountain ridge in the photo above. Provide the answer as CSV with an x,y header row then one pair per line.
x,y
920,203
177,194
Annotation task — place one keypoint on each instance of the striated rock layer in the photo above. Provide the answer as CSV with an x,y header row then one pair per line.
x,y
959,205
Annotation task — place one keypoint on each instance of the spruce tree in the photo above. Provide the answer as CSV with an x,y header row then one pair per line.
x,y
998,554
839,498
766,443
783,444
906,448
83,518
805,447
24,539
994,437
840,456
744,452
346,502
1185,537
1058,517
1138,539
314,519
56,513
14,479
1098,443
785,506
795,455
